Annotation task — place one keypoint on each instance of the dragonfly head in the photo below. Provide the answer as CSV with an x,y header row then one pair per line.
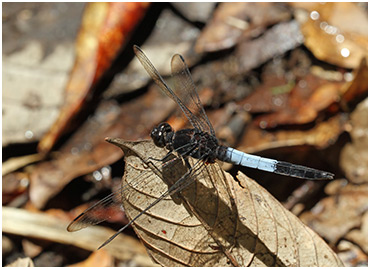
x,y
162,134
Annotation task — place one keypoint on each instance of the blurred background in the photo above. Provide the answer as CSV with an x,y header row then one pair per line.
x,y
284,81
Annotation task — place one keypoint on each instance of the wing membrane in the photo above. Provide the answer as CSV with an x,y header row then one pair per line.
x,y
100,211
185,89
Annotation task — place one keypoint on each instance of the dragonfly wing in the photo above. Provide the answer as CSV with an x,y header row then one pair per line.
x,y
187,93
154,74
97,213
102,210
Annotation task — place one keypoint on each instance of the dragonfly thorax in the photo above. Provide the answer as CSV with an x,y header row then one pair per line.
x,y
187,142
197,144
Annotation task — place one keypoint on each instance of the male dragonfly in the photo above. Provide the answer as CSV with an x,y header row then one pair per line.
x,y
199,142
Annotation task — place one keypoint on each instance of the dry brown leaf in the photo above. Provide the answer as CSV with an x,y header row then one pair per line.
x,y
360,236
15,188
274,42
292,102
321,136
352,255
349,17
43,226
37,57
354,156
338,28
359,85
334,216
32,90
18,162
105,27
233,20
214,222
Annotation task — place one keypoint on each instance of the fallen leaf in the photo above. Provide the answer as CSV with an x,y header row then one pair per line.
x,y
321,136
337,34
31,249
31,95
15,163
334,216
352,255
275,41
14,185
300,103
358,86
37,56
348,16
85,152
232,21
7,245
213,222
43,226
360,236
105,28
354,155
163,42
195,11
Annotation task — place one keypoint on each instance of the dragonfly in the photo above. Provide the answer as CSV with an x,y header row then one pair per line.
x,y
199,142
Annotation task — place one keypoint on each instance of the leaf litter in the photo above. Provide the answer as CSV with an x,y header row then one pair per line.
x,y
325,133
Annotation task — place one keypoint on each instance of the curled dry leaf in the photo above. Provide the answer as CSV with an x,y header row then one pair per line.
x,y
105,27
358,86
292,103
321,136
215,221
231,21
337,34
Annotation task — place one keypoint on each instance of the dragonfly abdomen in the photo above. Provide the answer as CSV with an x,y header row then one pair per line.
x,y
240,158
283,168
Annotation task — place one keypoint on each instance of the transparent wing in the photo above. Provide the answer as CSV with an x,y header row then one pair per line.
x,y
184,88
100,211
186,91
